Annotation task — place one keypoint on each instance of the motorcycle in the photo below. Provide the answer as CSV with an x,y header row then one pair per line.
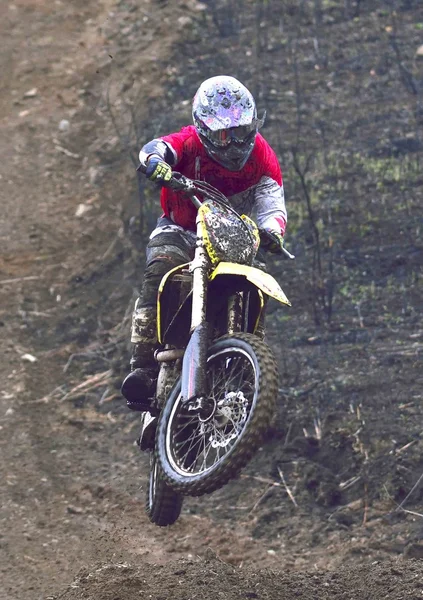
x,y
218,381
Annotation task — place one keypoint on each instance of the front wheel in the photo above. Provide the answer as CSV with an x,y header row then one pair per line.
x,y
201,452
163,505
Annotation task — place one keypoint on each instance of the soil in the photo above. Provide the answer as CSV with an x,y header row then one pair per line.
x,y
211,578
331,507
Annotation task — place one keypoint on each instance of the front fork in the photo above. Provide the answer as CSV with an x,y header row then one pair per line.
x,y
194,379
235,312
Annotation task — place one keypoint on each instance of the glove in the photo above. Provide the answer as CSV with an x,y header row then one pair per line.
x,y
158,170
273,241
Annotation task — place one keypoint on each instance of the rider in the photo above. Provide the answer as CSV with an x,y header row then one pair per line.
x,y
223,148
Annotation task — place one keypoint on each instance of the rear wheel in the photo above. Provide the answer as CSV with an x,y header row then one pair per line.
x,y
201,452
163,505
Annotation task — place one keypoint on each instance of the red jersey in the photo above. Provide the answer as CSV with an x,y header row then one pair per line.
x,y
257,188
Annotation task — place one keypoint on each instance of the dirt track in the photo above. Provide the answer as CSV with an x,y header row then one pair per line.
x,y
73,481
72,493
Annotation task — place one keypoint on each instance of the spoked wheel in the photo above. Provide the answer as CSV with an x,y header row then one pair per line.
x,y
200,451
163,505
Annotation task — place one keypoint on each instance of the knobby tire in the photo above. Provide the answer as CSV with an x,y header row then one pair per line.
x,y
163,504
261,412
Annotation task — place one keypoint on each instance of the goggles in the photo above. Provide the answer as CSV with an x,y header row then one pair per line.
x,y
243,134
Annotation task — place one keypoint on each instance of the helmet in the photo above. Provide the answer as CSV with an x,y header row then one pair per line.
x,y
225,117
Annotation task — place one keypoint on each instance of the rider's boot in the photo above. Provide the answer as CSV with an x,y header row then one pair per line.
x,y
139,386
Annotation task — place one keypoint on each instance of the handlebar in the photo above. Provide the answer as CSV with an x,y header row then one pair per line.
x,y
192,187
266,240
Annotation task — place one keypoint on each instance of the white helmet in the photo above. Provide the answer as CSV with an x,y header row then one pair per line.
x,y
225,116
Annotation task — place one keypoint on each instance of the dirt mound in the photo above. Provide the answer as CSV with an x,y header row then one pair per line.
x,y
212,578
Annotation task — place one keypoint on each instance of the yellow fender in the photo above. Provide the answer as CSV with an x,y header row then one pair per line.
x,y
265,282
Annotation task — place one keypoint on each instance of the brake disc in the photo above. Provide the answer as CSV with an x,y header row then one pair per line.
x,y
232,410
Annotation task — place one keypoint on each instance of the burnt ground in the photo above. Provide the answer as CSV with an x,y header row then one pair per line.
x,y
332,504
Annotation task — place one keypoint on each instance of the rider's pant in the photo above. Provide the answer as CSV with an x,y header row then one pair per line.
x,y
170,246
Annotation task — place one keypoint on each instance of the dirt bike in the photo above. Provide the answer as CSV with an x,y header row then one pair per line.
x,y
218,381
